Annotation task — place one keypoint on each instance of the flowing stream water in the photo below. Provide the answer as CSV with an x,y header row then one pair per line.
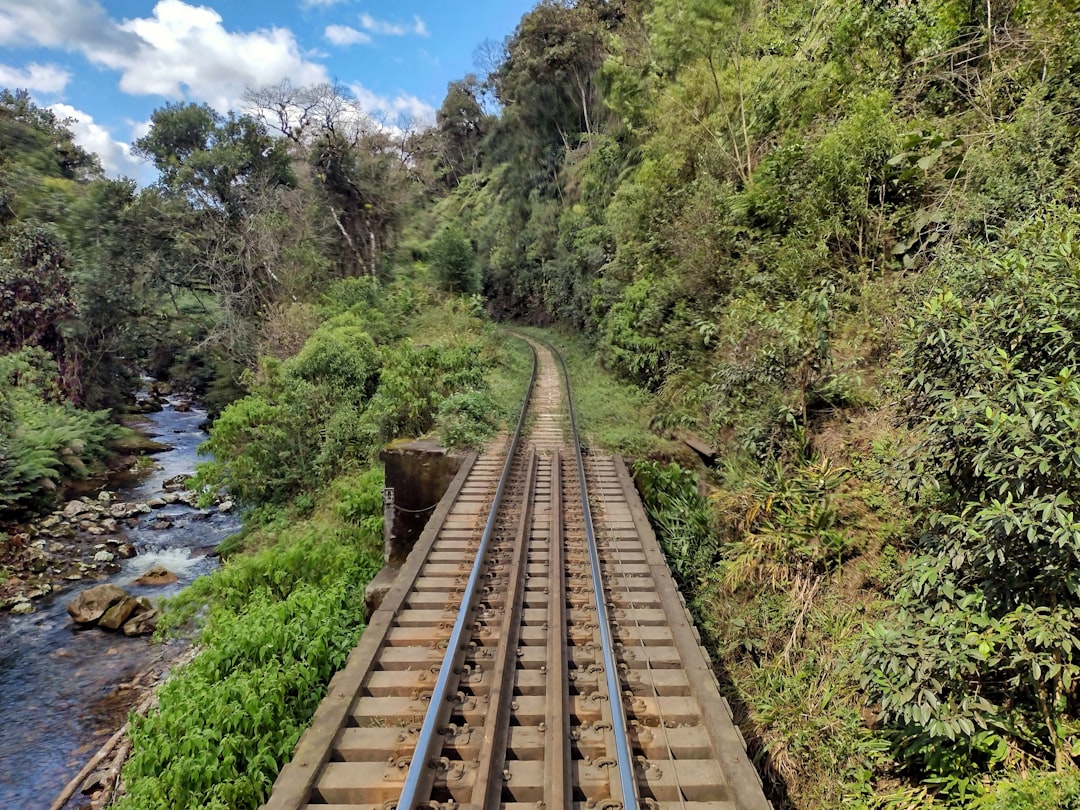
x,y
58,684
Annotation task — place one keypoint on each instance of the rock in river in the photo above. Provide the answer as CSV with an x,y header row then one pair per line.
x,y
141,623
118,614
158,575
91,604
76,507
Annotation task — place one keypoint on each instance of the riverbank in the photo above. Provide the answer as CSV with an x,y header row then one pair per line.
x,y
85,539
67,690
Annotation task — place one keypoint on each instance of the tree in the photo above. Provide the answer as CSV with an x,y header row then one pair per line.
x,y
362,167
36,302
453,261
35,137
211,223
211,160
462,125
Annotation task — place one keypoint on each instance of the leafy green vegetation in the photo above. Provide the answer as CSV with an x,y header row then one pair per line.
x,y
975,671
280,623
43,438
837,241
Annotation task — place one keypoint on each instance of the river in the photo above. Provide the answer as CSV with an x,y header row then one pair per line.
x,y
58,685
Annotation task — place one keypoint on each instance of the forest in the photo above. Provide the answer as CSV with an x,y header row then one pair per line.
x,y
839,241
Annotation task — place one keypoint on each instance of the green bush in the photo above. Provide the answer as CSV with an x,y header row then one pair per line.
x,y
979,666
228,721
454,261
1037,791
276,625
43,438
681,517
341,357
326,411
414,382
467,419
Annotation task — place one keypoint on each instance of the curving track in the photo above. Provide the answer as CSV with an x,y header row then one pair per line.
x,y
533,652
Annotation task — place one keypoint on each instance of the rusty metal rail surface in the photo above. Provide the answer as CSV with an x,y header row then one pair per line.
x,y
533,652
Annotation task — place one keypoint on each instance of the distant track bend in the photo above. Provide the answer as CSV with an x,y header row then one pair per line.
x,y
533,652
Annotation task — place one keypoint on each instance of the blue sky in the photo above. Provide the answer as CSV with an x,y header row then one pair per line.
x,y
109,63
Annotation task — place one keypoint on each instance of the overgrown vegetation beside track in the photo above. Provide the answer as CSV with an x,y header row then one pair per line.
x,y
299,452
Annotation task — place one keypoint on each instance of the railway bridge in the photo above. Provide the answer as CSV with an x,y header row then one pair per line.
x,y
533,652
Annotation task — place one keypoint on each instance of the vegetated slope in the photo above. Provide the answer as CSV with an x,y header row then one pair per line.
x,y
839,241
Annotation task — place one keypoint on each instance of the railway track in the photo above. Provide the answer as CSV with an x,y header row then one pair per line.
x,y
533,652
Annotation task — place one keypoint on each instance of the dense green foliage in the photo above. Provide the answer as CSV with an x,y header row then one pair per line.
x,y
835,240
329,409
978,665
43,438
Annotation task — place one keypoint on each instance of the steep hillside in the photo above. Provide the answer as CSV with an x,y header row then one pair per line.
x,y
839,242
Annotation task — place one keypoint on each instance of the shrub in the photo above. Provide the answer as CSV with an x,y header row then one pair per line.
x,y
467,419
43,438
454,262
681,518
981,662
277,624
414,382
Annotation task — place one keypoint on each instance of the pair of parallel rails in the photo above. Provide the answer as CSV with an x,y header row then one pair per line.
x,y
533,652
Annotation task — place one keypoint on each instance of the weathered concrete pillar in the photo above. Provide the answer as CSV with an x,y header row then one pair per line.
x,y
418,472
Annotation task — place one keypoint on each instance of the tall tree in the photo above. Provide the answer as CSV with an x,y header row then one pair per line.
x,y
205,222
363,167
462,125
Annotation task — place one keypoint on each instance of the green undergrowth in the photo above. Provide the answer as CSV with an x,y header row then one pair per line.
x,y
784,570
891,591
276,624
612,414
44,439
510,376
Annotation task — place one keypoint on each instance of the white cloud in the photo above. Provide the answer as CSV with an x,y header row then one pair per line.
x,y
395,111
116,157
34,77
58,24
387,28
181,51
139,129
186,51
344,35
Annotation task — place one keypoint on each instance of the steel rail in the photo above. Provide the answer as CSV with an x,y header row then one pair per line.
x,y
428,735
624,759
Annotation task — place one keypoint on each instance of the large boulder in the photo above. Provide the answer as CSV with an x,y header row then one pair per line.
x,y
118,614
91,604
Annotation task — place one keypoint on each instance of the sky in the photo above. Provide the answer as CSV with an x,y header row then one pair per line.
x,y
109,64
